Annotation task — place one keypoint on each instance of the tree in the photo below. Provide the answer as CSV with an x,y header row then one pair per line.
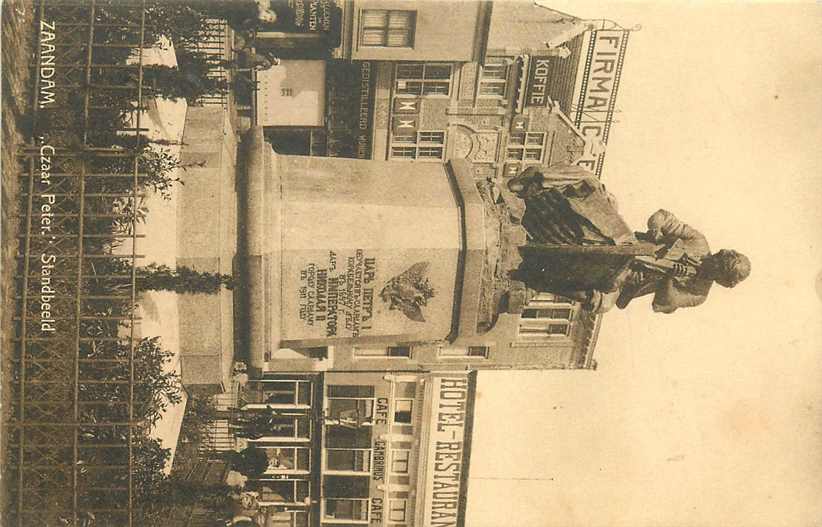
x,y
155,387
150,459
200,413
175,491
183,279
157,277
190,80
251,461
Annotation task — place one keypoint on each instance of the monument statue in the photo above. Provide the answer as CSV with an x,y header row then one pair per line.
x,y
581,248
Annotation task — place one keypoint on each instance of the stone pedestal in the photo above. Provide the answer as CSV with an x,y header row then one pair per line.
x,y
355,252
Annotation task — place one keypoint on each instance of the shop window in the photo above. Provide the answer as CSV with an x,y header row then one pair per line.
x,y
469,352
426,146
399,461
288,427
350,412
356,460
298,519
284,392
494,77
283,491
396,510
527,146
283,517
346,509
395,352
387,28
402,410
287,458
421,78
348,437
258,424
350,391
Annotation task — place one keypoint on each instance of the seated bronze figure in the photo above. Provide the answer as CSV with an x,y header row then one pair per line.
x,y
581,248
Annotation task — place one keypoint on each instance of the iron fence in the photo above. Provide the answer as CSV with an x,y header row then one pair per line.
x,y
75,423
213,43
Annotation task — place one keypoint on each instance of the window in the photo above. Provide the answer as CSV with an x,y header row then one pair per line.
x,y
548,330
476,352
383,28
549,299
279,392
350,412
288,427
287,458
494,77
422,146
527,146
396,510
316,352
348,437
350,406
346,509
546,316
550,312
351,391
421,78
399,461
281,492
401,352
402,410
357,460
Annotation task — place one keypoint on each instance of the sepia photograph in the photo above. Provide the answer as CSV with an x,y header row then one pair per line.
x,y
397,263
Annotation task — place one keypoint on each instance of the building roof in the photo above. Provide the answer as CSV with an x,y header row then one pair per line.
x,y
564,75
526,26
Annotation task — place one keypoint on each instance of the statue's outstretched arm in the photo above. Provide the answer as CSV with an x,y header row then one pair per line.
x,y
663,226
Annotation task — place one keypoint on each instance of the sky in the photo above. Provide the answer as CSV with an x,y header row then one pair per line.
x,y
709,416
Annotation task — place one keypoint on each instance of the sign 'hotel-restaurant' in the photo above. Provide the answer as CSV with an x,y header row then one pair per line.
x,y
446,457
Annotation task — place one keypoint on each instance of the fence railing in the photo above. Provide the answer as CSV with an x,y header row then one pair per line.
x,y
75,420
214,44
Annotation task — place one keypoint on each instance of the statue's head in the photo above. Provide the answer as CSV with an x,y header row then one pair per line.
x,y
728,267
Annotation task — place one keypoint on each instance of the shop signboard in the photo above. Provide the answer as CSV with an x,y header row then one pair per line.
x,y
536,92
304,16
313,16
350,109
446,450
596,100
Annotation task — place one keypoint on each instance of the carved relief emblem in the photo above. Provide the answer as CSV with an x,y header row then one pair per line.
x,y
409,291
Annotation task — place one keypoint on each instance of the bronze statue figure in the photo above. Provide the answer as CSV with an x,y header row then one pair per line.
x,y
581,248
